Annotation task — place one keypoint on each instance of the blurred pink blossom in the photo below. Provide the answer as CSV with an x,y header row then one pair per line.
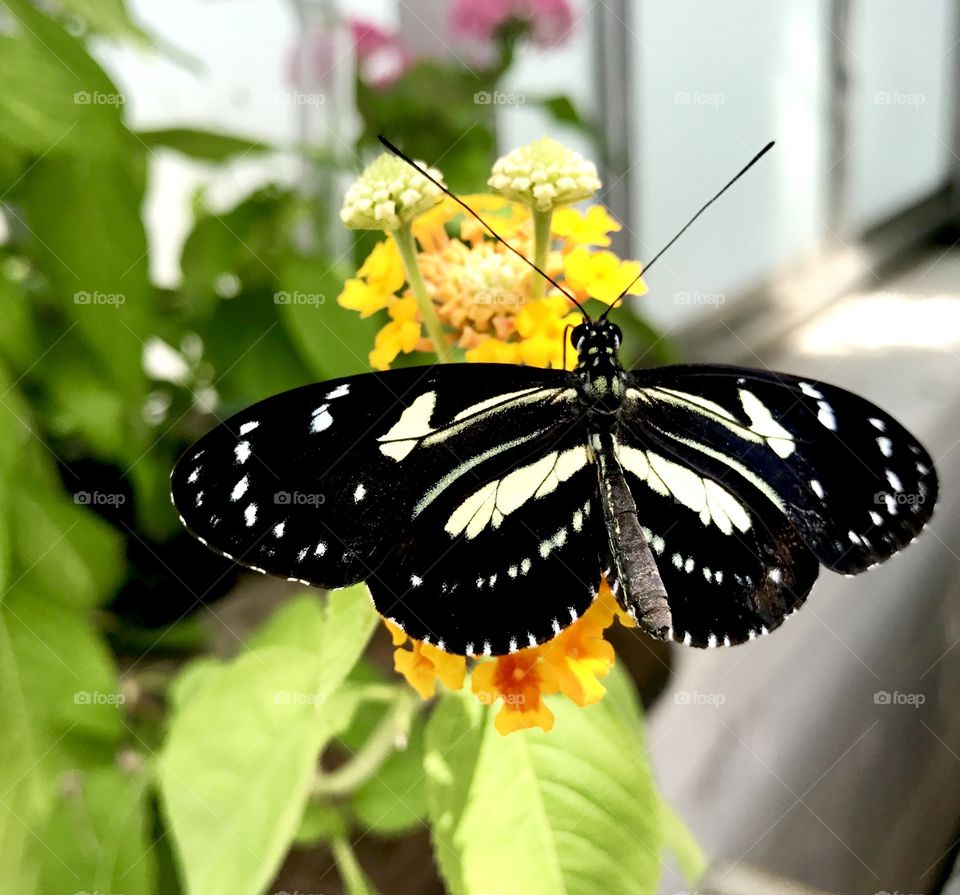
x,y
381,55
550,21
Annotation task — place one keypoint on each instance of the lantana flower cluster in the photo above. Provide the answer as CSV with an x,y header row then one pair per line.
x,y
445,283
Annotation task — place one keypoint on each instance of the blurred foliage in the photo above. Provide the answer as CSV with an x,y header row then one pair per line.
x,y
135,760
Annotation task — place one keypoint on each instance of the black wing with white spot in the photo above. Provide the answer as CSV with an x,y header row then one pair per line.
x,y
501,560
359,478
854,483
732,565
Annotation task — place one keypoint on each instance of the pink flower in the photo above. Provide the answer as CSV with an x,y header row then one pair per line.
x,y
550,21
381,55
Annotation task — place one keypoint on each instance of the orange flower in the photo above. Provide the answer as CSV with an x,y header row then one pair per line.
x,y
424,665
580,655
520,681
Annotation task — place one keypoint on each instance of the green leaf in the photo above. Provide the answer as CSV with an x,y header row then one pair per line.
x,y
66,552
298,623
108,18
681,843
66,669
332,340
573,810
24,799
237,767
563,111
241,754
97,838
206,146
55,100
86,232
321,822
394,800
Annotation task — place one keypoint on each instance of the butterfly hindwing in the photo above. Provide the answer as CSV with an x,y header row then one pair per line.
x,y
505,558
732,565
320,483
852,481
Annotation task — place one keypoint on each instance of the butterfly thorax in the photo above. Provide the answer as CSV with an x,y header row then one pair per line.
x,y
600,374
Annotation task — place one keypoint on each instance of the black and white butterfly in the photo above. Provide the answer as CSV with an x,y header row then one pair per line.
x,y
482,503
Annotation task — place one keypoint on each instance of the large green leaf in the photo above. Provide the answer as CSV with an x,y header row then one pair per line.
x,y
570,811
240,757
24,799
67,669
86,232
207,146
332,340
55,100
65,552
97,837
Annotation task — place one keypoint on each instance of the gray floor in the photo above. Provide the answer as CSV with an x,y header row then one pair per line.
x,y
800,772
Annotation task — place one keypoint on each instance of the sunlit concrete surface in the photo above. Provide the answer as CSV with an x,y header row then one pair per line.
x,y
780,754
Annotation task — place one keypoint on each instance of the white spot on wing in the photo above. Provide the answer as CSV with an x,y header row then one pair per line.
x,y
359,493
809,390
321,419
880,425
817,488
240,488
250,514
193,475
885,445
339,391
249,427
894,480
242,451
278,529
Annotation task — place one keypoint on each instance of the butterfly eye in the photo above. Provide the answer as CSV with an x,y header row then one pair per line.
x,y
578,334
617,334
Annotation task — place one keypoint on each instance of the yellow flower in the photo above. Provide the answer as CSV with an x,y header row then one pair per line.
x,y
520,681
359,296
383,268
541,325
424,665
593,228
601,275
401,334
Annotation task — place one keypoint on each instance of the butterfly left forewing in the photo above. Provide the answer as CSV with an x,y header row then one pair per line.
x,y
317,484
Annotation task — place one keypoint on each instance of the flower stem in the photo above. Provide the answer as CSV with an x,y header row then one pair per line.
x,y
541,248
373,753
408,252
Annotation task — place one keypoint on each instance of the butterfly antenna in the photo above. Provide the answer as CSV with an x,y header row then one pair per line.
x,y
402,155
686,226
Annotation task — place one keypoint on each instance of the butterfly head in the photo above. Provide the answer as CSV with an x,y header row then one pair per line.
x,y
596,338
